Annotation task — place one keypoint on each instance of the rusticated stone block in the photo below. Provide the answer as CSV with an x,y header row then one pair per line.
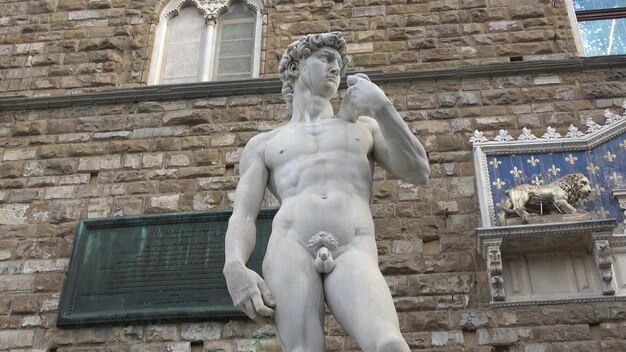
x,y
558,333
503,336
590,346
247,329
16,338
448,262
612,346
429,321
400,264
220,346
432,284
161,333
201,331
10,169
581,314
25,304
16,283
48,282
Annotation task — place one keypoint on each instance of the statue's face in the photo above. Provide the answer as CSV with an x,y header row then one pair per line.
x,y
320,72
583,186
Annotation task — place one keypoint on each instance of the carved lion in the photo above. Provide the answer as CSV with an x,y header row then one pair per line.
x,y
559,195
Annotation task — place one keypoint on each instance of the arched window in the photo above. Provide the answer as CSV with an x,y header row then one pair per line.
x,y
200,41
235,51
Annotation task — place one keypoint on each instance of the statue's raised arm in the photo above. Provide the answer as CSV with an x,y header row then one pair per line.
x,y
395,147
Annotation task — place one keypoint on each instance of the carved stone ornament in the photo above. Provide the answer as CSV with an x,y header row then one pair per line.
x,y
611,117
498,245
551,133
478,137
503,136
494,269
602,251
592,126
526,135
210,8
573,132
555,197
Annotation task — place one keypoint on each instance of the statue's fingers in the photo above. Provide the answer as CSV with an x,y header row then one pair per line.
x,y
248,308
268,298
356,78
261,308
347,111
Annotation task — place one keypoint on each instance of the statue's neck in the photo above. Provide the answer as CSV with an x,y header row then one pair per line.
x,y
308,107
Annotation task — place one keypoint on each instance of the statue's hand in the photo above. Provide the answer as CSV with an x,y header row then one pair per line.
x,y
250,293
362,98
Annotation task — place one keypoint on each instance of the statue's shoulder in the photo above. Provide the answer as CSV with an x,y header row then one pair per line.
x,y
258,142
368,122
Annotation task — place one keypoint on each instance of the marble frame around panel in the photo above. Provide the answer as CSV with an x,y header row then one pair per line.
x,y
483,150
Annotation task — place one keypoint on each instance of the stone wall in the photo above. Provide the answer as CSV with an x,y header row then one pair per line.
x,y
56,47
61,165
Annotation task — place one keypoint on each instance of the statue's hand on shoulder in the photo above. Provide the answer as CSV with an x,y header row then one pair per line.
x,y
362,98
250,293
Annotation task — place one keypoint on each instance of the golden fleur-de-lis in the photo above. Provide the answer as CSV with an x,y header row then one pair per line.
x,y
610,156
499,183
554,170
597,189
623,144
615,177
533,161
537,181
571,159
602,213
592,168
495,163
517,173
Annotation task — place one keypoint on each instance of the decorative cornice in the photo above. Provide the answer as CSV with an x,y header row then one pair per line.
x,y
210,8
273,85
542,302
551,229
596,229
552,141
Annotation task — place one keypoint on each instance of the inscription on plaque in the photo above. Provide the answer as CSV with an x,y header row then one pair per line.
x,y
153,267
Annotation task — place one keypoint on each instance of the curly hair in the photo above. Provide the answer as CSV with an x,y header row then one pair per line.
x,y
288,68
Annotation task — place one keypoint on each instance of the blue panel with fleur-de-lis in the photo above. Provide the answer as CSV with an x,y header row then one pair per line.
x,y
605,166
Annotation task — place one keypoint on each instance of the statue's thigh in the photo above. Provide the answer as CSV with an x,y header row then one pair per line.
x,y
359,298
297,289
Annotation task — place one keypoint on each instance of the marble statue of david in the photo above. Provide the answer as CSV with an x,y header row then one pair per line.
x,y
322,249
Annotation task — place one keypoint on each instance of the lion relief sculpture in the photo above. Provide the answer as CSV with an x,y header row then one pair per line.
x,y
559,195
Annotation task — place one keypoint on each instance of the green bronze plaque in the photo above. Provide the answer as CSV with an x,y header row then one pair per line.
x,y
153,268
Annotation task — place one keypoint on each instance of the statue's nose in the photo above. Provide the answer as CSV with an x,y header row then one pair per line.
x,y
334,70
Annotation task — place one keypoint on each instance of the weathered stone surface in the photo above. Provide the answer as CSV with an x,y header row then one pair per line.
x,y
503,336
201,331
16,338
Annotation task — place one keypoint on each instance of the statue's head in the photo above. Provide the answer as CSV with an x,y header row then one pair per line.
x,y
298,51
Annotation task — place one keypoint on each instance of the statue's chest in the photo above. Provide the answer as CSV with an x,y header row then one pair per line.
x,y
308,140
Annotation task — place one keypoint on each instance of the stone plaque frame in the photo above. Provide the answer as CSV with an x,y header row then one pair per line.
x,y
153,268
